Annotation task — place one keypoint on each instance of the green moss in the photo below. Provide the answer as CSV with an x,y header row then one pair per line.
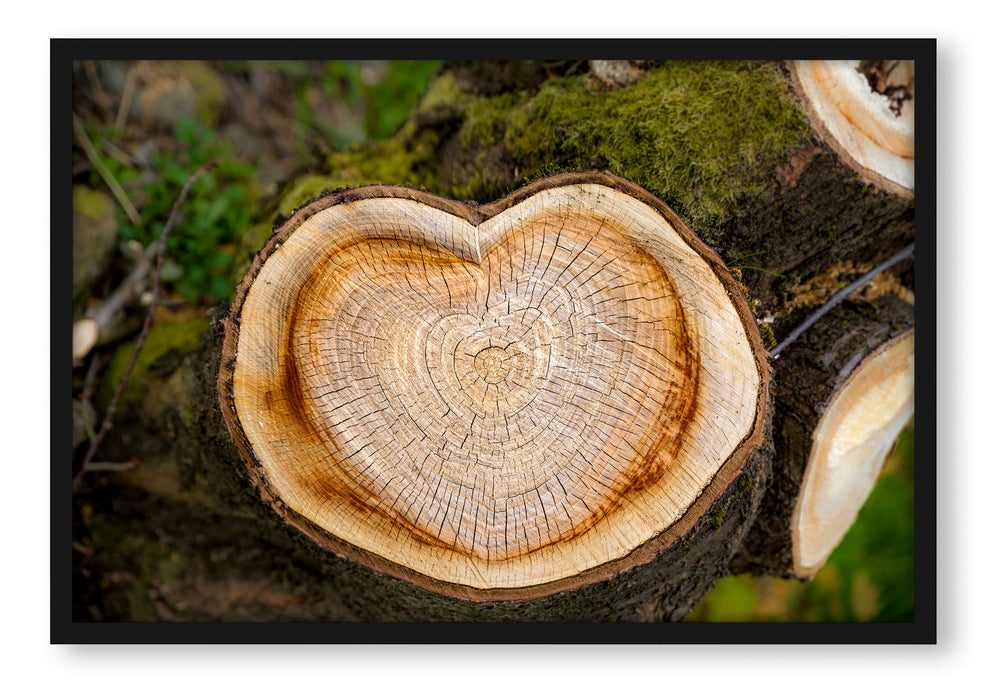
x,y
252,240
545,170
408,157
91,203
94,237
487,120
162,339
137,565
699,134
396,161
441,92
767,335
307,187
389,162
713,518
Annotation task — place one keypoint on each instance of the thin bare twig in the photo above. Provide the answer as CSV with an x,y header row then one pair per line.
x,y
125,99
98,92
104,313
94,158
86,395
112,409
90,380
846,291
111,466
113,150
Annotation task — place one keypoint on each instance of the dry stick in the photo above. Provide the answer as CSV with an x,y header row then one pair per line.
x,y
846,291
125,99
104,314
112,183
87,392
99,93
112,409
90,380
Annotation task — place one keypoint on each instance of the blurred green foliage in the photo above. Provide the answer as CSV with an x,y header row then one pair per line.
x,y
388,100
199,250
868,578
366,100
375,98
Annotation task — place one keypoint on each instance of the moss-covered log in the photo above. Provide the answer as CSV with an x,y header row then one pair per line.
x,y
725,144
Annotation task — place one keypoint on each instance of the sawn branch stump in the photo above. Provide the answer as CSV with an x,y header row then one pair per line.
x,y
505,402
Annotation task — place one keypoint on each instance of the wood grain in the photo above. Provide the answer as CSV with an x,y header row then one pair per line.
x,y
492,399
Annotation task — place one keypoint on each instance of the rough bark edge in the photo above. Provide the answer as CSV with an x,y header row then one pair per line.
x,y
869,176
476,214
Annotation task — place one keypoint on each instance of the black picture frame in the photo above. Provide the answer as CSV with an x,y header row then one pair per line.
x,y
65,631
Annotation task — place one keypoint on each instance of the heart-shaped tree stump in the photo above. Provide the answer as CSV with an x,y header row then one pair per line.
x,y
496,402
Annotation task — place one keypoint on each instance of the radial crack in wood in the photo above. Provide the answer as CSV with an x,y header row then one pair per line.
x,y
494,402
871,131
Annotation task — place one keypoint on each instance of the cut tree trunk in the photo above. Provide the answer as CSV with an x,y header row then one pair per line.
x,y
844,392
184,536
505,402
864,110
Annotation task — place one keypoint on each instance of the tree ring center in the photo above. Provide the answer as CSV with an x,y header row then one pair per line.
x,y
492,364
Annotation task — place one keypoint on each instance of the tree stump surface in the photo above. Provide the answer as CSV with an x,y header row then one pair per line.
x,y
499,402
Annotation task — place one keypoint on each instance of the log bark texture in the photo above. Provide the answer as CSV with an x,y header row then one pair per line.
x,y
183,536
